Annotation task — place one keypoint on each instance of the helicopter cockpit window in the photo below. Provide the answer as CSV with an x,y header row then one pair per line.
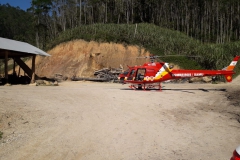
x,y
131,75
126,72
140,74
132,72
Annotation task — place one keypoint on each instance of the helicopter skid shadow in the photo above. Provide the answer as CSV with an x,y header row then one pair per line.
x,y
180,90
199,89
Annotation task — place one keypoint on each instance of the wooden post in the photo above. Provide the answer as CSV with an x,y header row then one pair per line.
x,y
6,66
19,69
14,65
33,69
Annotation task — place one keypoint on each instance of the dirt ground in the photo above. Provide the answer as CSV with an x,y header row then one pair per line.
x,y
89,121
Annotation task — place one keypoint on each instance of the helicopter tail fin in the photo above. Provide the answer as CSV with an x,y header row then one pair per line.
x,y
232,64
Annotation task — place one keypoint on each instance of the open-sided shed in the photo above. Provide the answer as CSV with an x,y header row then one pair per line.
x,y
11,49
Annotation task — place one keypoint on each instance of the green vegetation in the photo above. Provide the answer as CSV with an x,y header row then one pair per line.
x,y
16,24
161,26
158,41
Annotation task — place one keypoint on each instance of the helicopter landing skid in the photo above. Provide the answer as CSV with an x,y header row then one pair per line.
x,y
146,87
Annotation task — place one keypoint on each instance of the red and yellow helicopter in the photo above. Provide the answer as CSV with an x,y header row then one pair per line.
x,y
150,75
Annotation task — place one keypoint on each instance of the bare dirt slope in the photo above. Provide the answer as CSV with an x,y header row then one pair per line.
x,y
82,120
80,58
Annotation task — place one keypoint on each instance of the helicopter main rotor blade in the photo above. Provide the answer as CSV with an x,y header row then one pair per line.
x,y
143,57
168,56
176,56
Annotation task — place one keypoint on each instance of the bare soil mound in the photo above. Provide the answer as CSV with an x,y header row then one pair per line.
x,y
80,58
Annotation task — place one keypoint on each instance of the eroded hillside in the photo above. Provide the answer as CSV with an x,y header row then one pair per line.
x,y
81,58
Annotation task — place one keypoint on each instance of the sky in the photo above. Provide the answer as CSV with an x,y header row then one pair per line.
x,y
23,4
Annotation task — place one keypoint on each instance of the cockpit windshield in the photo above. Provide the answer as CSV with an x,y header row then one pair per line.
x,y
132,72
126,72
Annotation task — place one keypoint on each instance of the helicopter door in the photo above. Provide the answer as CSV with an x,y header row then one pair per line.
x,y
140,74
131,75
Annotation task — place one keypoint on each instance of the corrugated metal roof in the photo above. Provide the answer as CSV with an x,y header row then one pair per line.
x,y
18,46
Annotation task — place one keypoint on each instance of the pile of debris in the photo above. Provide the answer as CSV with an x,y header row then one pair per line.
x,y
44,83
59,77
102,75
53,81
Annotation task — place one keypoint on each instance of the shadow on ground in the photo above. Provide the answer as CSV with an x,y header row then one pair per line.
x,y
188,90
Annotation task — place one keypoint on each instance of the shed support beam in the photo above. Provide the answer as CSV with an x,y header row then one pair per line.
x,y
6,66
14,72
26,69
33,69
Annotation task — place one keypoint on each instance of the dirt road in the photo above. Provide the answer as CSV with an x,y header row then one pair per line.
x,y
89,121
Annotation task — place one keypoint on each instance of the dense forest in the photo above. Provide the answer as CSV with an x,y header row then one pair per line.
x,y
205,27
208,20
16,24
215,21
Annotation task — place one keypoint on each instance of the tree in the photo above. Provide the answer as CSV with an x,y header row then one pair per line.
x,y
16,24
40,9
